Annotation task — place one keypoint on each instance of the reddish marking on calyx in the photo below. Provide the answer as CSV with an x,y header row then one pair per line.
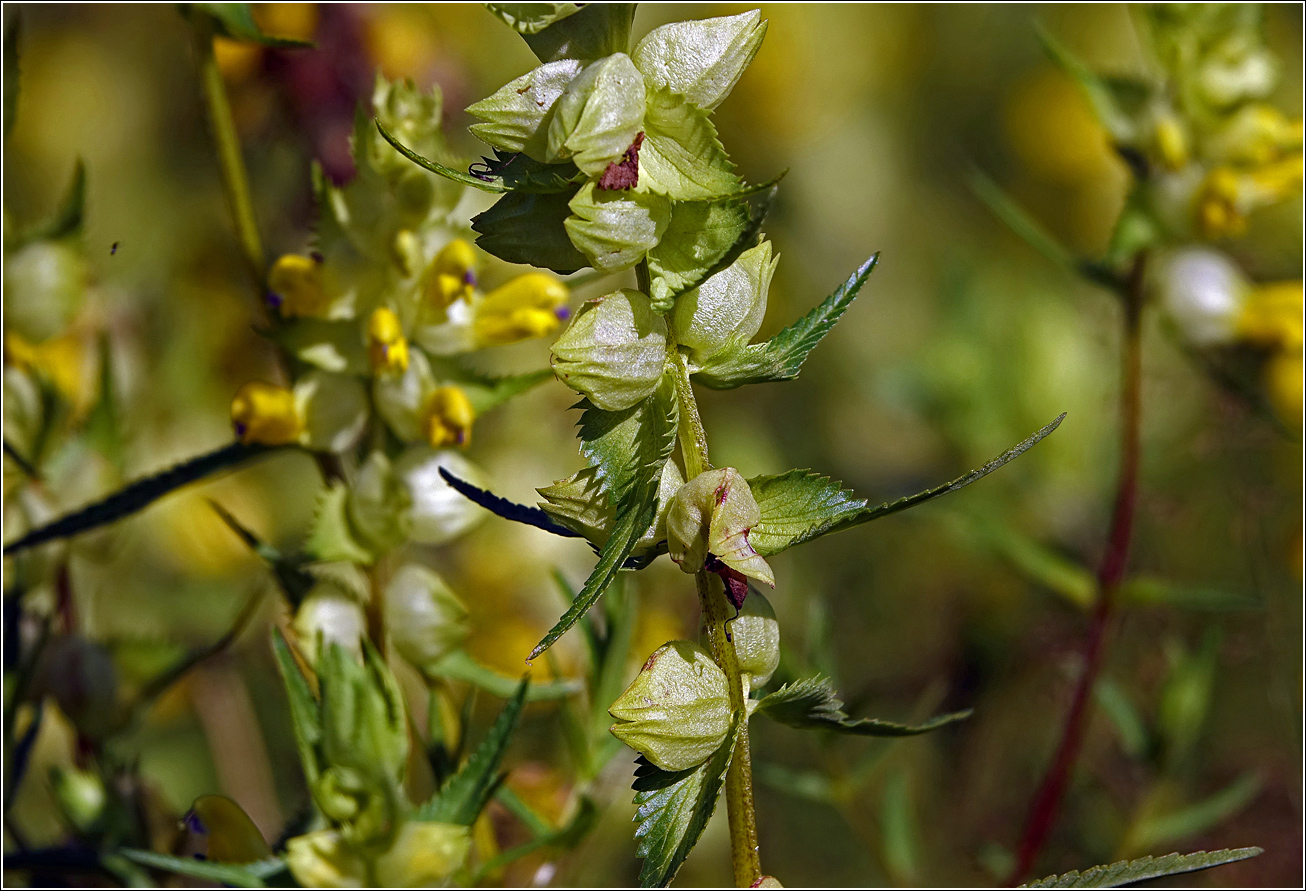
x,y
624,174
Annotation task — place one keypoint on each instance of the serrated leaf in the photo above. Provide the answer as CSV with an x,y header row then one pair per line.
x,y
630,448
12,70
1131,871
436,167
460,666
332,536
781,357
599,30
509,510
528,228
532,18
462,798
521,173
234,20
237,875
801,505
681,156
305,711
140,494
672,810
813,704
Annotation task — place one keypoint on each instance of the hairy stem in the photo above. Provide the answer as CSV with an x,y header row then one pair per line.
x,y
740,810
1044,808
235,182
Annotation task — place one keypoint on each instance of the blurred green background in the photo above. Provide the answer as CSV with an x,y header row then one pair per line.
x,y
964,342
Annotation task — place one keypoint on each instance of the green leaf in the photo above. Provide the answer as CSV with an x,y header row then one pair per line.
x,y
242,875
781,357
522,173
461,799
305,712
436,167
332,537
807,784
1197,818
1131,871
234,20
527,228
681,156
812,704
801,505
12,70
459,666
67,219
294,581
630,449
1118,102
672,810
899,835
1115,702
532,18
599,30
104,423
137,495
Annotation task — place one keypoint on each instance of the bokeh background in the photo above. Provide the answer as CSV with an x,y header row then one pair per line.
x,y
965,341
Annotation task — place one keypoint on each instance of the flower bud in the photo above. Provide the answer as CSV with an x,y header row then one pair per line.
x,y
424,855
530,305
453,274
598,114
676,712
329,617
447,418
613,351
334,408
364,723
1203,291
439,513
725,311
387,349
45,284
1255,134
81,796
322,859
756,636
424,618
295,287
710,517
265,413
378,504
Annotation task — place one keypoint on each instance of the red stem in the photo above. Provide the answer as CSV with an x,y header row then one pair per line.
x,y
1044,808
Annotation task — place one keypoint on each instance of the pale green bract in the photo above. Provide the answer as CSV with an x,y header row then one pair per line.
x,y
701,60
724,312
515,118
613,351
614,229
598,115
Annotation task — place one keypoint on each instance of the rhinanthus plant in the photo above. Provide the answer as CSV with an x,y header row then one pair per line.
x,y
605,158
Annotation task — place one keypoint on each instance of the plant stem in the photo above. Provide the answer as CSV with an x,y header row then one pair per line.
x,y
1044,808
740,810
235,181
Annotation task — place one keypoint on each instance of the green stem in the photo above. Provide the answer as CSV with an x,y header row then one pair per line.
x,y
235,181
740,810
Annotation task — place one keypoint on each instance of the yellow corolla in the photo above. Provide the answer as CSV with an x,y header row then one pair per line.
x,y
267,414
295,287
64,361
530,305
453,274
447,417
387,349
1272,315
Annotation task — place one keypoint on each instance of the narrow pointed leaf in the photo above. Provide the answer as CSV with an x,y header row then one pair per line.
x,y
672,810
305,712
599,30
294,581
237,875
67,218
1200,817
436,167
801,505
138,495
509,510
459,666
781,357
461,799
630,448
235,20
813,704
1127,872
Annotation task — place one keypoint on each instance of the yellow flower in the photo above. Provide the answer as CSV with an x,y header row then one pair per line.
x,y
266,413
1283,380
1228,195
1257,134
64,361
1171,143
386,347
530,305
453,274
295,286
1272,315
447,417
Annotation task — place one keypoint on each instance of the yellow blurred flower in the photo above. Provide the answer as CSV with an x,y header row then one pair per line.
x,y
64,362
1272,315
1171,142
295,286
400,42
387,349
447,418
267,414
452,275
1283,380
531,305
1228,195
237,59
296,21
